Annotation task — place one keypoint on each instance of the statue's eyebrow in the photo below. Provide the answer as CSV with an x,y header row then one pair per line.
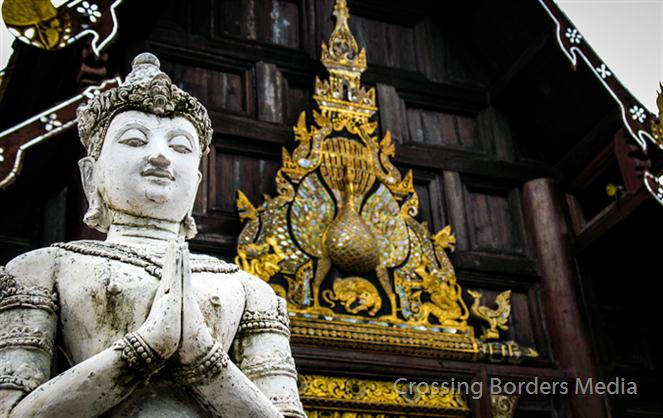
x,y
128,126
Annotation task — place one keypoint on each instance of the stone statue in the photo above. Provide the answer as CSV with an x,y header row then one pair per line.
x,y
149,330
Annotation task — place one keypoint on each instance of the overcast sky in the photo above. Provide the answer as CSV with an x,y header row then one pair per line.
x,y
627,34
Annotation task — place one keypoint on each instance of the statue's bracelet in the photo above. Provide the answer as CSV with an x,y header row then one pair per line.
x,y
138,355
203,370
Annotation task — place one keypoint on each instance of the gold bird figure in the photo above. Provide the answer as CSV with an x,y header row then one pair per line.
x,y
496,318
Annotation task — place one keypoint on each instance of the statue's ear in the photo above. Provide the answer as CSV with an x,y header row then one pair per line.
x,y
86,165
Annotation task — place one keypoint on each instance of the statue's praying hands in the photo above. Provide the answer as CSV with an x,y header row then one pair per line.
x,y
148,329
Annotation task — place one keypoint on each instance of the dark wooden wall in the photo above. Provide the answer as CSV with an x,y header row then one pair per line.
x,y
476,95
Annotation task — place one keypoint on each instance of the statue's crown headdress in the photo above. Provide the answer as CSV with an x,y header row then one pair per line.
x,y
147,89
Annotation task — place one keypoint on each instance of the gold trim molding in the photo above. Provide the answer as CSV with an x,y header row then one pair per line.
x,y
332,396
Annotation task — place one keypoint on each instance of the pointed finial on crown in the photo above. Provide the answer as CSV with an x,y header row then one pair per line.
x,y
343,93
143,69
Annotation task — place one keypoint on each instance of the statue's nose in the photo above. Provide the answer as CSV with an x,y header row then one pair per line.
x,y
159,161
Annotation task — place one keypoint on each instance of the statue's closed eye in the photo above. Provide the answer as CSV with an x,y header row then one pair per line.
x,y
181,144
133,137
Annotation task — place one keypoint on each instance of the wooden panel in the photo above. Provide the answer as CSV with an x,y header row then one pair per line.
x,y
496,133
217,89
431,201
442,129
285,23
271,91
299,100
415,40
494,218
274,21
391,45
392,113
232,172
443,55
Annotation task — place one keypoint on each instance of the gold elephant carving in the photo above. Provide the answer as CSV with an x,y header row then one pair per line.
x,y
355,294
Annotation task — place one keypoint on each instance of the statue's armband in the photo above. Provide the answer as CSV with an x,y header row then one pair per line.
x,y
262,347
28,319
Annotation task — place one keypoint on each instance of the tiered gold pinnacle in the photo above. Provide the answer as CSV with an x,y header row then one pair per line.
x,y
343,94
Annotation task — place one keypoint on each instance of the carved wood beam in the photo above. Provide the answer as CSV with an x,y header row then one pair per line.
x,y
17,140
500,85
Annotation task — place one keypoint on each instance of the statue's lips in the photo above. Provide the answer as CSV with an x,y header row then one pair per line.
x,y
157,172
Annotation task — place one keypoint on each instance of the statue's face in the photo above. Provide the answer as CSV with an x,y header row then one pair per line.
x,y
148,165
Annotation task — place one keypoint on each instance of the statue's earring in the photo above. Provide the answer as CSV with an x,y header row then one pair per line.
x,y
189,224
97,216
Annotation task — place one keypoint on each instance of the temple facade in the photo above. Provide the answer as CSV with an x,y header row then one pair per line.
x,y
458,201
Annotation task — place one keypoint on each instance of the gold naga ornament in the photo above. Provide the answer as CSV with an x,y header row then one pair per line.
x,y
340,241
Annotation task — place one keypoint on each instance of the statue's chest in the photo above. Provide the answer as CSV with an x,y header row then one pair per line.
x,y
101,300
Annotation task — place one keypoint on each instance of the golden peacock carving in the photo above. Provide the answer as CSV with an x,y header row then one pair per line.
x,y
342,227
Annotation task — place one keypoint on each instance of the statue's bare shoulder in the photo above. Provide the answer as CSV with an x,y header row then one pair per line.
x,y
36,268
259,295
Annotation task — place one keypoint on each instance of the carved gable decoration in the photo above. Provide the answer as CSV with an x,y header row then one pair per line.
x,y
41,24
340,241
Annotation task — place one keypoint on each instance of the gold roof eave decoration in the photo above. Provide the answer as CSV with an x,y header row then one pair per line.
x,y
340,241
41,24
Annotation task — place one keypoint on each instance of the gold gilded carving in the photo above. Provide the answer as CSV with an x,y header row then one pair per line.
x,y
355,294
378,396
261,260
657,123
503,406
496,318
299,287
446,303
348,241
41,24
444,239
337,414
351,252
37,22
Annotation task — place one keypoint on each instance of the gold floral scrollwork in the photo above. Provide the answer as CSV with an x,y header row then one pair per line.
x,y
257,259
496,318
355,294
343,414
503,406
378,396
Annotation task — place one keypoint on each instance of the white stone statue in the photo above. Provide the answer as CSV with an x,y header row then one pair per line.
x,y
149,330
